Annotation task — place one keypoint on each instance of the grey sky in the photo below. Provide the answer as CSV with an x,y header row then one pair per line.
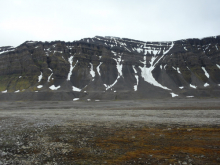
x,y
146,20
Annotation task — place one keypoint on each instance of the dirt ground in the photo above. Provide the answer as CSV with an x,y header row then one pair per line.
x,y
177,131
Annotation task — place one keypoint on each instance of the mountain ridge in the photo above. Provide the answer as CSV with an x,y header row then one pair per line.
x,y
110,68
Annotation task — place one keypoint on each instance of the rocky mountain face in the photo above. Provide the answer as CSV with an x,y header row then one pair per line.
x,y
110,68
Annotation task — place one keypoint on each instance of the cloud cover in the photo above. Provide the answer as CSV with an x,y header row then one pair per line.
x,y
68,20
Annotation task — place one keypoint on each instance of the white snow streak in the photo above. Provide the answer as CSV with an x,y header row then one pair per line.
x,y
146,73
53,87
174,95
136,76
40,77
218,66
98,68
76,89
71,68
50,75
165,66
178,70
5,91
75,99
189,96
193,86
206,85
92,71
17,91
181,87
119,68
206,73
40,86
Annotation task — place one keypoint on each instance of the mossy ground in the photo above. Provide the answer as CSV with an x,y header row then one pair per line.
x,y
101,143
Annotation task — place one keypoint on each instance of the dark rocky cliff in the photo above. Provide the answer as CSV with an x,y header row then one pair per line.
x,y
110,68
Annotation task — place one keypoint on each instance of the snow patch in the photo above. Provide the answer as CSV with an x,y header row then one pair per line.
x,y
75,99
50,75
40,86
98,68
20,77
5,91
178,70
97,100
76,89
119,68
53,87
146,73
40,77
92,71
193,86
189,96
71,68
206,73
181,87
174,95
165,66
136,76
17,91
206,85
218,66
88,99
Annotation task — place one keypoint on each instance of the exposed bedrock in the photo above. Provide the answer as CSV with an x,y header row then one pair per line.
x,y
110,68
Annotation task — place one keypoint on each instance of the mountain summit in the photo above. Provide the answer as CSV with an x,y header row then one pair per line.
x,y
110,68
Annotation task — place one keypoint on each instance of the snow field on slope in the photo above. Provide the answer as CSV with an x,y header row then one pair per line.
x,y
119,68
206,73
71,68
136,76
76,89
50,75
193,86
146,73
53,87
174,95
98,68
40,77
40,86
92,72
206,85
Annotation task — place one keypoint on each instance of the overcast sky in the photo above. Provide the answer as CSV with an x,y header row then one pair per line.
x,y
69,20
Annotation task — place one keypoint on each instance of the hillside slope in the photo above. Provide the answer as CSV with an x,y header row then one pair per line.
x,y
110,68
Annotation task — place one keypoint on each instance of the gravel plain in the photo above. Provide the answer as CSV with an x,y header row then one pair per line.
x,y
110,132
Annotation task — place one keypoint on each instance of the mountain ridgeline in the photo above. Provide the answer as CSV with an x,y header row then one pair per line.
x,y
110,68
